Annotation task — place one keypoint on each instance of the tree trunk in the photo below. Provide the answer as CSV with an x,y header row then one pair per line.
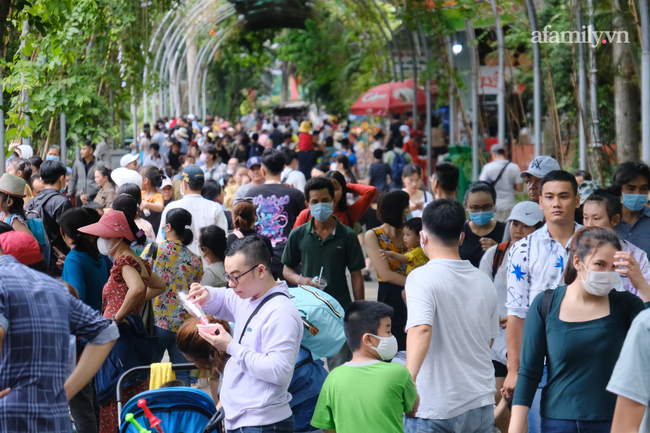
x,y
626,101
284,91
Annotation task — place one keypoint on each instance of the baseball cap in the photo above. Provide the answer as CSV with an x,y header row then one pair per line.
x,y
128,159
541,166
166,182
112,224
404,128
193,175
527,212
256,160
124,175
496,147
586,188
21,246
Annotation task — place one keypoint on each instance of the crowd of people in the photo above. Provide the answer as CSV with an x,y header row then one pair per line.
x,y
491,314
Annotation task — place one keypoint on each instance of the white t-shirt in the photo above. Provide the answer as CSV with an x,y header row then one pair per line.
x,y
427,198
499,348
460,304
294,178
505,187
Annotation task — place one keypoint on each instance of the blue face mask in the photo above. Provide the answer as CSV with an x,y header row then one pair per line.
x,y
409,216
52,158
481,218
322,211
635,202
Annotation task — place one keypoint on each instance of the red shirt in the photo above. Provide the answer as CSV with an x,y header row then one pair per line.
x,y
355,210
410,148
305,142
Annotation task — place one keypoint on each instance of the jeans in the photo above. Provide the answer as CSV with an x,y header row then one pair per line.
x,y
550,425
285,426
479,420
84,408
167,341
302,414
534,419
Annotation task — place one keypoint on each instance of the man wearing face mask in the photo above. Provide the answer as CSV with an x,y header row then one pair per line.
x,y
631,181
453,319
204,212
50,205
537,263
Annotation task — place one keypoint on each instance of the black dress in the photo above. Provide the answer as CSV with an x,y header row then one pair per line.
x,y
471,248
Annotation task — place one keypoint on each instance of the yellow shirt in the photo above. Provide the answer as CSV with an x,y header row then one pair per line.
x,y
154,198
417,258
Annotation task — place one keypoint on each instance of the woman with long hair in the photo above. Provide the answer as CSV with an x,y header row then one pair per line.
x,y
579,330
106,195
130,284
393,211
152,203
203,354
179,268
134,191
348,214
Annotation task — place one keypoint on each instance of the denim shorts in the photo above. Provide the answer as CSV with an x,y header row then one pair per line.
x,y
479,420
285,426
550,425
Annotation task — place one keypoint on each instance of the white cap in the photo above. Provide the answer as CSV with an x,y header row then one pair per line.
x,y
541,166
191,116
527,212
166,182
205,129
405,128
123,175
128,159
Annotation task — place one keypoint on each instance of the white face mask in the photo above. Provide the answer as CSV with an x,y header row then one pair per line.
x,y
105,246
387,347
600,283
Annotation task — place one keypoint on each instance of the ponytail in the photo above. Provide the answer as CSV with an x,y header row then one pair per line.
x,y
180,221
585,242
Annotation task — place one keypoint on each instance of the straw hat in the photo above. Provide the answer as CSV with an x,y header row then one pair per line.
x,y
12,185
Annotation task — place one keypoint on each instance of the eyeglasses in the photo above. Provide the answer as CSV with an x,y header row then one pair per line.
x,y
485,208
230,279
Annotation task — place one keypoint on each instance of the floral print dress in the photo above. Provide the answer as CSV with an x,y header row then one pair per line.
x,y
179,268
387,245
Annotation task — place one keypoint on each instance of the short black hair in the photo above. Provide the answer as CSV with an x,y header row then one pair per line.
x,y
613,205
378,154
345,143
36,161
583,174
273,161
560,176
414,224
255,137
175,382
211,190
51,171
390,207
363,317
175,142
289,156
444,219
155,146
411,169
322,167
253,248
214,238
89,143
626,173
133,190
318,183
481,186
448,175
329,141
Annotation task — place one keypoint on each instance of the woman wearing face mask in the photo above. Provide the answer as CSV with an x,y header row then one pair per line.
x,y
482,231
130,284
393,211
525,218
179,268
579,329
348,214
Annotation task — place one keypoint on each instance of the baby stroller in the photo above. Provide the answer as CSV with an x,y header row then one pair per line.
x,y
180,409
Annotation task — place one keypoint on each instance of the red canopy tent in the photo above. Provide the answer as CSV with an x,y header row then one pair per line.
x,y
390,98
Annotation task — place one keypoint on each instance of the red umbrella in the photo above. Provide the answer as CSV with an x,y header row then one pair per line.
x,y
393,97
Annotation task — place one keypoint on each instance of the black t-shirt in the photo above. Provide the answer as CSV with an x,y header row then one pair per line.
x,y
174,163
276,137
396,136
471,248
233,237
278,206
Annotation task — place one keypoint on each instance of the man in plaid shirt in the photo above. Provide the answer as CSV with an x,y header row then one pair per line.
x,y
37,316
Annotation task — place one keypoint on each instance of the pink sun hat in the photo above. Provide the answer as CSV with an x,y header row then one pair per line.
x,y
113,224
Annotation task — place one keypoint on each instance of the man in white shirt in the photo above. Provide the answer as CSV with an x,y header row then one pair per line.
x,y
291,175
204,212
505,177
155,158
265,343
536,263
453,320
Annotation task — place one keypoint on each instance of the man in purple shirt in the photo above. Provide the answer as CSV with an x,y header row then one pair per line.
x,y
264,346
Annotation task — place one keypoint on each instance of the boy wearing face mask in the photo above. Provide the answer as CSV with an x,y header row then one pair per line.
x,y
367,394
324,242
580,329
631,182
